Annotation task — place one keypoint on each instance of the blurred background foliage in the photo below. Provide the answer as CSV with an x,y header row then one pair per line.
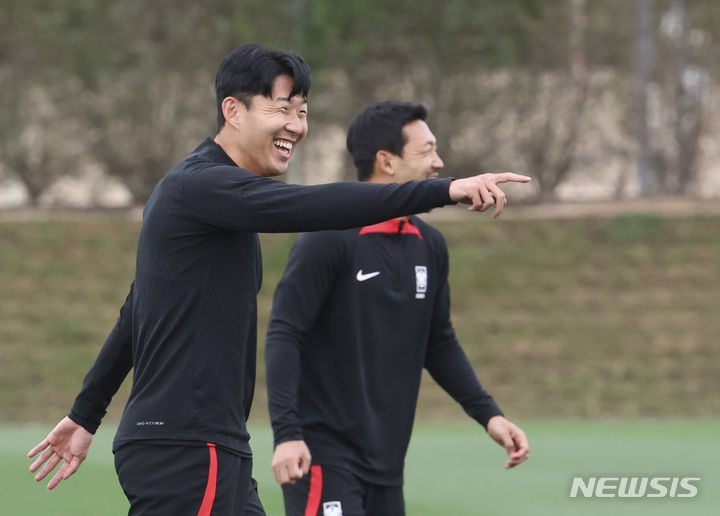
x,y
618,94
575,317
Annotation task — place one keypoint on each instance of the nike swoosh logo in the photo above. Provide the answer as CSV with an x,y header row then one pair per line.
x,y
362,277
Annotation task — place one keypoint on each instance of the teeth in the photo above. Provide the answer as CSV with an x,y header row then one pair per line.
x,y
284,144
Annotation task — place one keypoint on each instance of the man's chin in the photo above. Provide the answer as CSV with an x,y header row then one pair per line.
x,y
275,170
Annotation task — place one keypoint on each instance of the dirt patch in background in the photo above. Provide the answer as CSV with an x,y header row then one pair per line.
x,y
665,206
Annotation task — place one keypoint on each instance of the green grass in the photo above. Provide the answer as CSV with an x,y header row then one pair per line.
x,y
451,469
570,318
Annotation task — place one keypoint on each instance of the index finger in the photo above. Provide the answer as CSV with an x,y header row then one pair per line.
x,y
521,445
505,177
41,446
519,456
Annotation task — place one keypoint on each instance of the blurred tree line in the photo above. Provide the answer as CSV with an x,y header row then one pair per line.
x,y
541,87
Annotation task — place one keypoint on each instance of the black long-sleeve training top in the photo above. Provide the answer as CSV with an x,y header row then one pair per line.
x,y
356,316
188,326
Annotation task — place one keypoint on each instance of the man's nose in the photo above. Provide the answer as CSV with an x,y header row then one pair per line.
x,y
295,124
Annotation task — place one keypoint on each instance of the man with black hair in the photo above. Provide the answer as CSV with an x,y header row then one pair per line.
x,y
188,326
356,316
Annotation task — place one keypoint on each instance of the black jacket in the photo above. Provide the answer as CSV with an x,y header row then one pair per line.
x,y
356,317
188,326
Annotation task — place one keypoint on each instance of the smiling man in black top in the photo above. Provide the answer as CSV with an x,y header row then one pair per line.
x,y
356,317
188,326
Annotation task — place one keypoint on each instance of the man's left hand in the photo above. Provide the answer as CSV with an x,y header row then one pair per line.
x,y
511,437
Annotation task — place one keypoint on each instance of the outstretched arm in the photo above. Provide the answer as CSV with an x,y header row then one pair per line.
x,y
234,198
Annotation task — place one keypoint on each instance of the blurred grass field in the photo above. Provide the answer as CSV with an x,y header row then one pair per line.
x,y
597,335
451,469
588,317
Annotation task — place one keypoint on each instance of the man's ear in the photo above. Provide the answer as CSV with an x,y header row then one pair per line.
x,y
385,162
232,109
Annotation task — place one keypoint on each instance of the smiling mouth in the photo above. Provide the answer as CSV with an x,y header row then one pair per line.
x,y
284,146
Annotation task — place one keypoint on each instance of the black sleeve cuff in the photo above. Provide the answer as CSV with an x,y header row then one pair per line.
x,y
88,424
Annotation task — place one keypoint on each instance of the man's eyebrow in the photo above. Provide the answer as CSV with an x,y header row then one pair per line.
x,y
287,99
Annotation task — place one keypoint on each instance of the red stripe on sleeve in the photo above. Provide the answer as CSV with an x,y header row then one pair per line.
x,y
315,493
209,498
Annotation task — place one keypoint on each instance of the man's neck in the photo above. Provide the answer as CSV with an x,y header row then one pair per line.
x,y
380,178
225,139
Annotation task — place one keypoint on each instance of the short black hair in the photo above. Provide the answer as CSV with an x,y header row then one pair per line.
x,y
252,69
379,127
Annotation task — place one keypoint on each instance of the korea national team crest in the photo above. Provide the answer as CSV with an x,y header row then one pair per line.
x,y
420,281
332,509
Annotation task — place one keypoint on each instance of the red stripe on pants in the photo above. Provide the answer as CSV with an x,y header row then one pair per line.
x,y
209,498
315,493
